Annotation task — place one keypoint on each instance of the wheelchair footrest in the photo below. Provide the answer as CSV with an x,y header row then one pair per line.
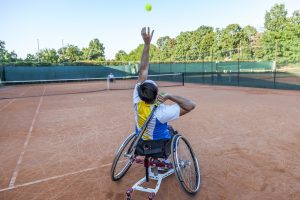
x,y
159,177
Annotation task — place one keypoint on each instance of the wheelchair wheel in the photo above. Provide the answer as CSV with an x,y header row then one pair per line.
x,y
122,161
185,164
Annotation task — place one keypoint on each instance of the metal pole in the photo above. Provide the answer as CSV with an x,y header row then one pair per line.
x,y
203,67
238,77
38,44
170,64
185,62
212,63
274,74
159,62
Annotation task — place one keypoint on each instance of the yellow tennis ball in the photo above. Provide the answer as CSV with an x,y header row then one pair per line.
x,y
148,7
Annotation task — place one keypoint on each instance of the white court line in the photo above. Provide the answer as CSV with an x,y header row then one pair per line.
x,y
15,173
53,178
11,101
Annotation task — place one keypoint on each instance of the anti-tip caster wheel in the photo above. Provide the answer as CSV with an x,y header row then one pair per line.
x,y
128,193
151,196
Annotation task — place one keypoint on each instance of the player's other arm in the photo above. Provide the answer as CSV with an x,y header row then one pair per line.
x,y
185,105
143,73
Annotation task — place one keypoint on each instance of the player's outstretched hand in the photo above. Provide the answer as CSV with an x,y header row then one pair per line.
x,y
147,37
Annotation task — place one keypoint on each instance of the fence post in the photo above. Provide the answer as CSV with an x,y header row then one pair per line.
x,y
212,64
203,67
238,77
183,79
274,73
185,63
159,64
170,64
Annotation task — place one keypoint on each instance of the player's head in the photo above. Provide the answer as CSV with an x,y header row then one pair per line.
x,y
148,91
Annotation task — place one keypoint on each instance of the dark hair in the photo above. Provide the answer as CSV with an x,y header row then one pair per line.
x,y
147,92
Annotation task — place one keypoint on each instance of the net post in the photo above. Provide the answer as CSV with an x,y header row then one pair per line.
x,y
107,83
182,79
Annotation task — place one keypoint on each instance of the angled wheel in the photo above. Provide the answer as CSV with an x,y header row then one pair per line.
x,y
122,161
185,164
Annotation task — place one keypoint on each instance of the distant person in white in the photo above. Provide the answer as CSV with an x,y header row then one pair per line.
x,y
111,77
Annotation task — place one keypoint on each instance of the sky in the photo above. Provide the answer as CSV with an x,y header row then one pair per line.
x,y
117,23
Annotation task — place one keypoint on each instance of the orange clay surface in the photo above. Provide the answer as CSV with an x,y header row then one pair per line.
x,y
247,142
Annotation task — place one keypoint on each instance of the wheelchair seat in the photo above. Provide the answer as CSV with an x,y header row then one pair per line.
x,y
154,148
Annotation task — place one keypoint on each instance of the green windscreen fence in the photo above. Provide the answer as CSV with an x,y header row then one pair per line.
x,y
210,67
244,73
26,73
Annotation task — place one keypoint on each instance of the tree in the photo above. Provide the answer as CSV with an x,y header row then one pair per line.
x,y
247,42
48,55
121,56
165,46
13,56
230,40
70,53
95,51
205,40
276,18
135,55
5,56
281,38
30,58
183,45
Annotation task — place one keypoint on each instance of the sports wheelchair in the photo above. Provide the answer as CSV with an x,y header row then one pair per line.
x,y
150,153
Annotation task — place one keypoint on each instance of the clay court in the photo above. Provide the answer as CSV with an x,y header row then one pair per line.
x,y
247,142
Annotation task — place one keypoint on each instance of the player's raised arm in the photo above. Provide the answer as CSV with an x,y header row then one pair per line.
x,y
147,37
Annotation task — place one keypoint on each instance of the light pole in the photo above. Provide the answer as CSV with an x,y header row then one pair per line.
x,y
38,45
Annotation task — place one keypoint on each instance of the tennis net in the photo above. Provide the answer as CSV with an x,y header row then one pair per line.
x,y
37,88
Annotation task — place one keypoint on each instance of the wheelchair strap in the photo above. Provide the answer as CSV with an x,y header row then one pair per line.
x,y
142,130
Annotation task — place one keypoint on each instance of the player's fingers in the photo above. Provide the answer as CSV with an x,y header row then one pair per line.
x,y
143,31
159,98
148,31
152,34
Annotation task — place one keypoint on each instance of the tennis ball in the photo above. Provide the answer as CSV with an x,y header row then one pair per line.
x,y
148,7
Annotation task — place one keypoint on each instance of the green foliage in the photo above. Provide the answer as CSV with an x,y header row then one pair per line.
x,y
6,56
31,58
135,55
70,53
121,56
48,55
95,51
276,18
280,41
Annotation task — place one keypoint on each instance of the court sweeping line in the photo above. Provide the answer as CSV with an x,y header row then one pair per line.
x,y
53,177
15,173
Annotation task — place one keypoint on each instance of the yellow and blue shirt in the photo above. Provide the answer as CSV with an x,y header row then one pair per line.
x,y
157,128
